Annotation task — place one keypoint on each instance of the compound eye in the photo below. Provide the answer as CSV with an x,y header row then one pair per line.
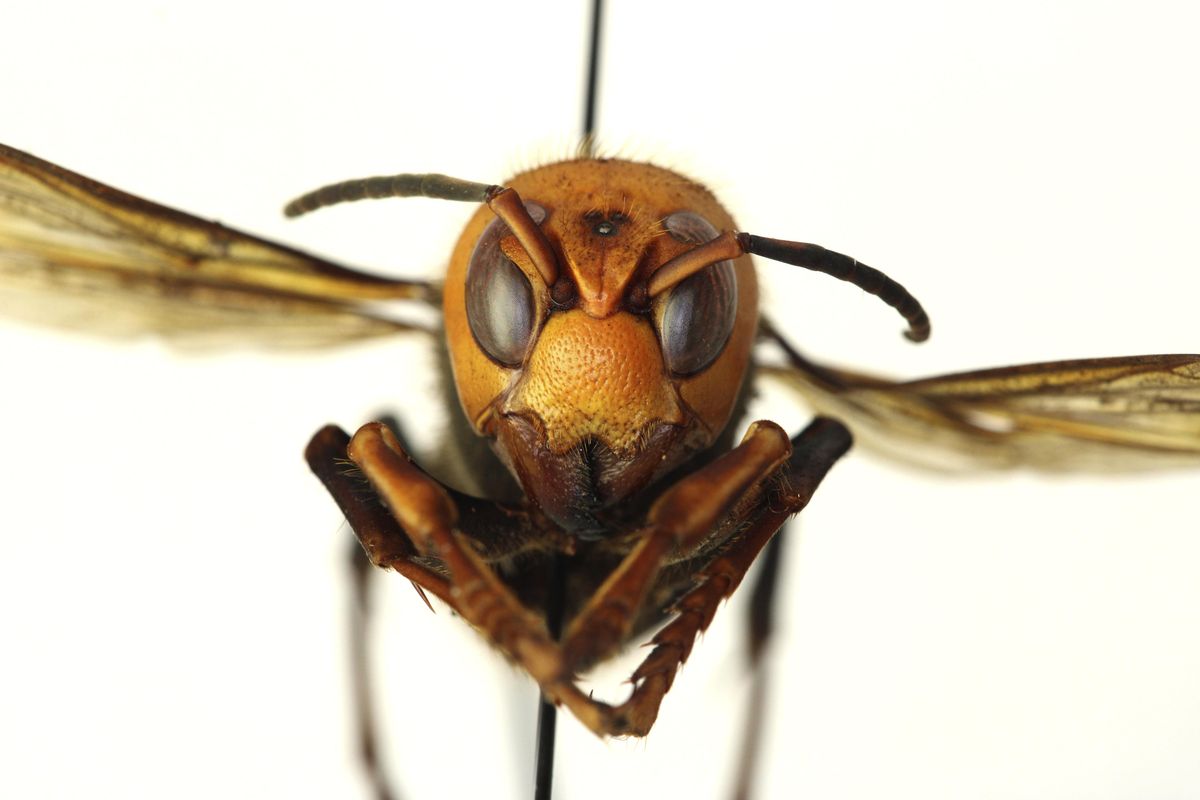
x,y
700,312
500,307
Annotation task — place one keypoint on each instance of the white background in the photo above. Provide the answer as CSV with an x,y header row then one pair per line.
x,y
171,591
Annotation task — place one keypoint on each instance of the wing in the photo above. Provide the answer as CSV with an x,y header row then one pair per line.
x,y
1094,414
78,254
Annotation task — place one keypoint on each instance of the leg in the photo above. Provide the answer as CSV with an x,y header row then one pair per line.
x,y
815,450
381,543
743,497
428,514
492,531
385,543
360,675
679,522
497,532
760,626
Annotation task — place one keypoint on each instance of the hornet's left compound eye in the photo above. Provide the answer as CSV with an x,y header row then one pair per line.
x,y
700,311
500,307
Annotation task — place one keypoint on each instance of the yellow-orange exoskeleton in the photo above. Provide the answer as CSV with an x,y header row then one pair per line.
x,y
592,389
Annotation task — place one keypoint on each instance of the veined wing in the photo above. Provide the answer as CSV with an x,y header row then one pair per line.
x,y
1094,414
78,254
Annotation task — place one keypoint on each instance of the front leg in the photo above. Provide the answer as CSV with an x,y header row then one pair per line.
x,y
814,451
731,507
382,539
677,524
430,517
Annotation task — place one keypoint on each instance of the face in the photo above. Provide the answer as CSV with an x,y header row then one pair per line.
x,y
591,389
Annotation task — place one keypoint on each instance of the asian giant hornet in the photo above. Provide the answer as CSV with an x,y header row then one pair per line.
x,y
770,275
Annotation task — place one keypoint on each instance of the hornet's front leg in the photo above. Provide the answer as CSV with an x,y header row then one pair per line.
x,y
427,529
749,493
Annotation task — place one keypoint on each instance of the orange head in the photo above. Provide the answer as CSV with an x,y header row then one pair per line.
x,y
592,388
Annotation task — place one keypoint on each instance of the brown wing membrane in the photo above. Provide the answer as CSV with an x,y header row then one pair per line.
x,y
1094,414
78,254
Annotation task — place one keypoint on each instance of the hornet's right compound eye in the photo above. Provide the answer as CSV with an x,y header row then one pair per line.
x,y
500,307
